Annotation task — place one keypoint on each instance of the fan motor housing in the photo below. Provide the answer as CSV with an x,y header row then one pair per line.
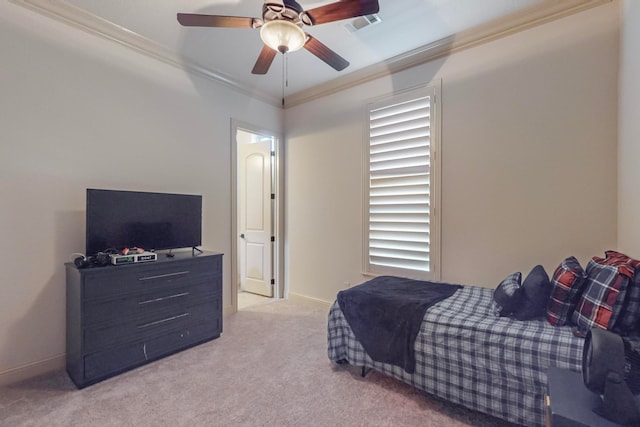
x,y
289,11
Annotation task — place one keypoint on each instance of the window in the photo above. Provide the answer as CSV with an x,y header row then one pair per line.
x,y
401,186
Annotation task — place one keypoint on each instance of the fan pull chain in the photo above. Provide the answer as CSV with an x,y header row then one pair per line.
x,y
284,59
285,74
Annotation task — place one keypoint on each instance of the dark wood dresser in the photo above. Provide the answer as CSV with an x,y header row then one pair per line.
x,y
121,317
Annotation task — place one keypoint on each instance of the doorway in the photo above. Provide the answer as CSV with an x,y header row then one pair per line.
x,y
257,265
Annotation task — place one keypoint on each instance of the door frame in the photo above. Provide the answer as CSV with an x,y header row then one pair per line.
x,y
279,290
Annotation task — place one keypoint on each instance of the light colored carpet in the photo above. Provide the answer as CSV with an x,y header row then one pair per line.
x,y
247,299
269,368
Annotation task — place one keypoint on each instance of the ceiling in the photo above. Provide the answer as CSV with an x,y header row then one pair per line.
x,y
410,32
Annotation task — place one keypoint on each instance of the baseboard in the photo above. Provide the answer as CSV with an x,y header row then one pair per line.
x,y
31,370
227,311
34,369
303,298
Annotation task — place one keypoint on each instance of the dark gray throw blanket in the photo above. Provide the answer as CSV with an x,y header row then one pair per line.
x,y
386,313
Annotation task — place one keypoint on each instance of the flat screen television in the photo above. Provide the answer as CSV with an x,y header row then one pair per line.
x,y
118,219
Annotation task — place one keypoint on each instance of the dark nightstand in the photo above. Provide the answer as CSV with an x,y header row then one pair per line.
x,y
569,403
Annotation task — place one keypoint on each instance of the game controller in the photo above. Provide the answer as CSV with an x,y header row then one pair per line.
x,y
133,250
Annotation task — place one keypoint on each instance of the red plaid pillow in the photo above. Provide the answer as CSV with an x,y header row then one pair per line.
x,y
567,283
626,265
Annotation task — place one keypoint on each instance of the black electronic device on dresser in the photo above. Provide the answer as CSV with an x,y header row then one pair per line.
x,y
121,317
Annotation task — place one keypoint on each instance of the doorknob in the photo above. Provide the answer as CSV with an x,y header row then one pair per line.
x,y
242,236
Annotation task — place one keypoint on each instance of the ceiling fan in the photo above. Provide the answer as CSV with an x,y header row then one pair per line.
x,y
281,27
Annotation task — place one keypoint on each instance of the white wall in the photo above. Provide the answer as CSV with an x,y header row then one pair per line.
x,y
77,111
529,126
629,132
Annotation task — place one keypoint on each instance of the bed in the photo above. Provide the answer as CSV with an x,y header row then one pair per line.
x,y
465,354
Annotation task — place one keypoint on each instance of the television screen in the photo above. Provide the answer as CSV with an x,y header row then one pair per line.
x,y
152,221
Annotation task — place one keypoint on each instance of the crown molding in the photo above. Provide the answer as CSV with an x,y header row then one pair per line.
x,y
529,17
79,18
546,11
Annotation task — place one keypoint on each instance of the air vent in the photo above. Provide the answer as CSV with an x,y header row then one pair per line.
x,y
363,22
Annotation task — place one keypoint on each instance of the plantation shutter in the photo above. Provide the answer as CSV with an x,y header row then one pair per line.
x,y
399,203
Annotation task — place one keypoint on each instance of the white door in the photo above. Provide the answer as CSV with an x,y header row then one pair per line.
x,y
255,179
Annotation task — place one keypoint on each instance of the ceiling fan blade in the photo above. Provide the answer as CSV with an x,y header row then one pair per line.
x,y
196,20
264,60
343,9
326,54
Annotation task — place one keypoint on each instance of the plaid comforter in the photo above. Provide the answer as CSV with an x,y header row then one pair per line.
x,y
467,355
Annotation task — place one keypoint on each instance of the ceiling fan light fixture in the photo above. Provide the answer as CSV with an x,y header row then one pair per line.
x,y
283,36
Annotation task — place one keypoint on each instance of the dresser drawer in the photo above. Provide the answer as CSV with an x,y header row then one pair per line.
x,y
135,278
151,324
139,304
116,359
112,361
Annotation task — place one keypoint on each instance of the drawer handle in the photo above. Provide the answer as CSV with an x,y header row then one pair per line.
x,y
183,294
160,276
168,319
